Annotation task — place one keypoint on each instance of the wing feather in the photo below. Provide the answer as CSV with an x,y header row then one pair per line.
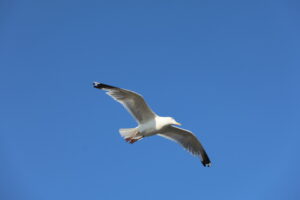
x,y
133,102
188,140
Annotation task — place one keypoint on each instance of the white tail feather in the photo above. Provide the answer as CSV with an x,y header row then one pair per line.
x,y
128,132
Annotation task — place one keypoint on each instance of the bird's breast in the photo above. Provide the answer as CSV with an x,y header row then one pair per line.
x,y
148,128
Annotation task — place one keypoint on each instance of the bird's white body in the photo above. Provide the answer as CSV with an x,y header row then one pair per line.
x,y
147,129
154,126
151,127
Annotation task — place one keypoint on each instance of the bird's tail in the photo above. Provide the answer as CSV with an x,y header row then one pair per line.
x,y
128,132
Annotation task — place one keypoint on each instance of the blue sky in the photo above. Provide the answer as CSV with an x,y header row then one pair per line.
x,y
227,70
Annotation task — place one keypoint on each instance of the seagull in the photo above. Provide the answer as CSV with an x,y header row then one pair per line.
x,y
150,124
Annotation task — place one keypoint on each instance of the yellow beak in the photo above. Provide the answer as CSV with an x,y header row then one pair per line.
x,y
177,123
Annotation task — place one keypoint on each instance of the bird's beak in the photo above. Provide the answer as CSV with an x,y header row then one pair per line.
x,y
177,123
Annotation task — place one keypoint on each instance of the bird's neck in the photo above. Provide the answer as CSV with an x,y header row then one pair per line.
x,y
162,122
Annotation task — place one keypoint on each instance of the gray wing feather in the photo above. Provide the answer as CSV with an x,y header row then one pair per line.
x,y
188,140
132,101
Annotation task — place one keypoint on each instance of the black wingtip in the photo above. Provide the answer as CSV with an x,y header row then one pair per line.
x,y
102,86
205,159
206,164
96,84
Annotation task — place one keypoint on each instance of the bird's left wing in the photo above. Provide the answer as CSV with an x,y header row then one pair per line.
x,y
132,101
188,140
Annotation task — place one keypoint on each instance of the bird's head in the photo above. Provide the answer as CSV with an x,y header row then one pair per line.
x,y
172,121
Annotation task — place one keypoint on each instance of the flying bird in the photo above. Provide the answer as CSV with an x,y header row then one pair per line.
x,y
150,124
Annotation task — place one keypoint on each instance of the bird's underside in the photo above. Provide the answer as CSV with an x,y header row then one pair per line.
x,y
152,124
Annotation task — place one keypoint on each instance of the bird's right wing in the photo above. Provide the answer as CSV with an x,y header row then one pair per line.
x,y
188,140
132,101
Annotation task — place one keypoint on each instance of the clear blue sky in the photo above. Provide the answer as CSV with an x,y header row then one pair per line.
x,y
227,70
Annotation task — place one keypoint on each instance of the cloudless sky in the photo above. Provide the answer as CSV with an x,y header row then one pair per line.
x,y
227,70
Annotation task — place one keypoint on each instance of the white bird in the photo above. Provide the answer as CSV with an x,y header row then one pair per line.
x,y
150,123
